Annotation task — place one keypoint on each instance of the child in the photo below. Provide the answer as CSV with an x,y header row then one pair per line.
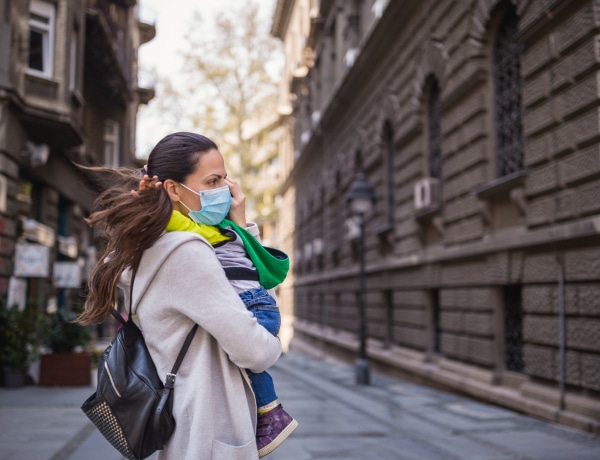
x,y
251,269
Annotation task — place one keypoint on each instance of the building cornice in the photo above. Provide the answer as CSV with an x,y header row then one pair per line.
x,y
517,239
396,15
281,18
43,121
354,81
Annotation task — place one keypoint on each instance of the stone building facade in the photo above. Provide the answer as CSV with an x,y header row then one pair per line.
x,y
291,24
68,95
478,125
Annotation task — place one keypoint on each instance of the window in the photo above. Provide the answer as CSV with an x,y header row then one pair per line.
x,y
24,197
29,198
388,139
434,115
339,210
73,61
41,38
513,329
508,88
388,302
111,143
378,7
358,162
3,193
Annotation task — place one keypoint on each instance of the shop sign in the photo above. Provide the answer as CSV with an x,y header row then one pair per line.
x,y
38,232
67,274
3,193
17,292
67,246
32,260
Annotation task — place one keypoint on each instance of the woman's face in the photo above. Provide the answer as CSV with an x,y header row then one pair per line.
x,y
210,173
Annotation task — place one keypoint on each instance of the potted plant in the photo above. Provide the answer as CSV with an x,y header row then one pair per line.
x,y
20,333
68,363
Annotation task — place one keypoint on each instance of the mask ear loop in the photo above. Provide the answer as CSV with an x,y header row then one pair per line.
x,y
185,205
186,187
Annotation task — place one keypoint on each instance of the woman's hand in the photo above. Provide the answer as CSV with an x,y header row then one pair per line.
x,y
146,184
237,212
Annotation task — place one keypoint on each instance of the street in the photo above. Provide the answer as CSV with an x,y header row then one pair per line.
x,y
389,420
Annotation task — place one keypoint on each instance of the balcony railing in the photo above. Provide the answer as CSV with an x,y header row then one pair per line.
x,y
104,7
106,47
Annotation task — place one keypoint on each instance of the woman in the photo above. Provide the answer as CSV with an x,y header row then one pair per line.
x,y
179,282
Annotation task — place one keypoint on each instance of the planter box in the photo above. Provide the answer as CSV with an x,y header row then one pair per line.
x,y
65,369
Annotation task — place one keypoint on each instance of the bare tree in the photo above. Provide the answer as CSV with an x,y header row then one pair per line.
x,y
233,78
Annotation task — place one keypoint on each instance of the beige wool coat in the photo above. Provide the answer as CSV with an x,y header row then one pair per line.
x,y
180,282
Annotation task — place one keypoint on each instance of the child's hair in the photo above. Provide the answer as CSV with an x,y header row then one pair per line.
x,y
133,224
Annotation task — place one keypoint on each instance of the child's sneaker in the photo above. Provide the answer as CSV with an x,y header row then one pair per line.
x,y
273,428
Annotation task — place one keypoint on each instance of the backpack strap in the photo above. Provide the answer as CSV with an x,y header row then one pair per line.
x,y
188,340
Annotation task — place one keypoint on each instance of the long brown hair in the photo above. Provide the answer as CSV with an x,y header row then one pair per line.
x,y
132,223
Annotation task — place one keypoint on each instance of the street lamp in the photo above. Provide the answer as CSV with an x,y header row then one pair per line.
x,y
361,198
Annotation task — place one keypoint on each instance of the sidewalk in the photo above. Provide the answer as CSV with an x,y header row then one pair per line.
x,y
396,420
388,420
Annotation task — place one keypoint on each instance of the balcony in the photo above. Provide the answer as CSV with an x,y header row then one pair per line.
x,y
146,86
106,51
106,9
146,24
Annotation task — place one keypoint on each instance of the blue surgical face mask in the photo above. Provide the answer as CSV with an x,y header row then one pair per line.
x,y
215,205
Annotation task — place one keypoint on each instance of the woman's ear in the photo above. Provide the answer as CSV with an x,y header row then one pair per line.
x,y
172,189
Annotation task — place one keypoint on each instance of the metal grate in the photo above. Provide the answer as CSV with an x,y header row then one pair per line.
x,y
388,301
507,58
513,329
389,141
434,113
437,328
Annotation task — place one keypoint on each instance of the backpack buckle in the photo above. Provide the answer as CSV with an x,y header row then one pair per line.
x,y
170,380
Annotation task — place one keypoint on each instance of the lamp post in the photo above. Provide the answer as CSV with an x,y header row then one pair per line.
x,y
361,199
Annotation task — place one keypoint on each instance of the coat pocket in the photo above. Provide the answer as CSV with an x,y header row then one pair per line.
x,y
222,451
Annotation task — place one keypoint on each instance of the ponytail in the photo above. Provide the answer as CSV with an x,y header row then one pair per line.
x,y
132,225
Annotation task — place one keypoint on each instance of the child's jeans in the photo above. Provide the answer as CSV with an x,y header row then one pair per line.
x,y
264,308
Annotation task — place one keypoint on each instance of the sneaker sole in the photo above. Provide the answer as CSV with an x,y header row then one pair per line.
x,y
279,439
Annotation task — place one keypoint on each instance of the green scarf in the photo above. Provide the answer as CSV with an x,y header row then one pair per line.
x,y
272,264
